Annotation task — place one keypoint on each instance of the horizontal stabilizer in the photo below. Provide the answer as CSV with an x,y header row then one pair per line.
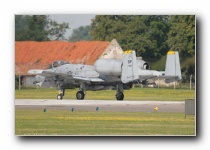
x,y
171,79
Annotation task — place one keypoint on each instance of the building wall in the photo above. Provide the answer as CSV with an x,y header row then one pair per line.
x,y
113,51
28,81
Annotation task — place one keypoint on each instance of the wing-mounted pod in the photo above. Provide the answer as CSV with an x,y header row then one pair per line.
x,y
129,67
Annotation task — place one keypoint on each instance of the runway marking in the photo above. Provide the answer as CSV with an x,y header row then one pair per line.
x,y
91,102
104,105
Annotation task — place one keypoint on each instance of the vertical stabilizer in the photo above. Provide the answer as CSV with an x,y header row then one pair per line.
x,y
129,67
172,69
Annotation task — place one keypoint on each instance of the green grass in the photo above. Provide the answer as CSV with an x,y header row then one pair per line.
x,y
133,94
65,122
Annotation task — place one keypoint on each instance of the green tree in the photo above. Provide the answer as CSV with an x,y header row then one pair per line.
x,y
38,28
181,36
81,33
145,34
21,27
56,31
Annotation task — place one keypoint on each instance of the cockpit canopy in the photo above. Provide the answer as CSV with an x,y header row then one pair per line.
x,y
57,63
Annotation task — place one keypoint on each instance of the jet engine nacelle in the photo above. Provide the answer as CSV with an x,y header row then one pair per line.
x,y
143,65
108,66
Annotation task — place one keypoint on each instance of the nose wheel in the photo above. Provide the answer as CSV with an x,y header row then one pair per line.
x,y
80,95
60,96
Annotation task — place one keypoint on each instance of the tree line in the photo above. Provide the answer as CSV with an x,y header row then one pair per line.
x,y
38,28
150,35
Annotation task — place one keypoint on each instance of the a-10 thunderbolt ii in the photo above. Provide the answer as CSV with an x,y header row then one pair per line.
x,y
105,74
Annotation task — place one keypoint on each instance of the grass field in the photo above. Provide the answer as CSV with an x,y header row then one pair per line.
x,y
133,94
64,122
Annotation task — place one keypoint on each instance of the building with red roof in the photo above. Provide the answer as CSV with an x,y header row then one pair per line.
x,y
39,55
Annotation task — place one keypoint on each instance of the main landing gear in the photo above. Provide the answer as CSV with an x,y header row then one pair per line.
x,y
119,95
81,93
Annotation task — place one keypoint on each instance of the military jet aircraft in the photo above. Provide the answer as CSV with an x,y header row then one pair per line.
x,y
105,74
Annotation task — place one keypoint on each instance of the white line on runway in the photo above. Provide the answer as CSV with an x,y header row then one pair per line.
x,y
90,102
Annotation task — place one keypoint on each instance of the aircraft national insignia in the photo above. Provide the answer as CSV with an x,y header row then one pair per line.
x,y
129,62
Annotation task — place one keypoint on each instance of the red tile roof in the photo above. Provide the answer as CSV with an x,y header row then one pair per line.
x,y
38,55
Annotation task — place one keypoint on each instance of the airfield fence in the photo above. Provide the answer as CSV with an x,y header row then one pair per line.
x,y
183,84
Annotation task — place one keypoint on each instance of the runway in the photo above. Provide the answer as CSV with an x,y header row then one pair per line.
x,y
101,105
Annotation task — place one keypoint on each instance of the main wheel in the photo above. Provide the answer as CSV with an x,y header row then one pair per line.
x,y
60,96
80,95
120,96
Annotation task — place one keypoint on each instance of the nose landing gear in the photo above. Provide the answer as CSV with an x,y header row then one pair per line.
x,y
61,94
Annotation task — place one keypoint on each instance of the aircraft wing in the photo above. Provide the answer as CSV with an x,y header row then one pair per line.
x,y
46,73
88,79
35,71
